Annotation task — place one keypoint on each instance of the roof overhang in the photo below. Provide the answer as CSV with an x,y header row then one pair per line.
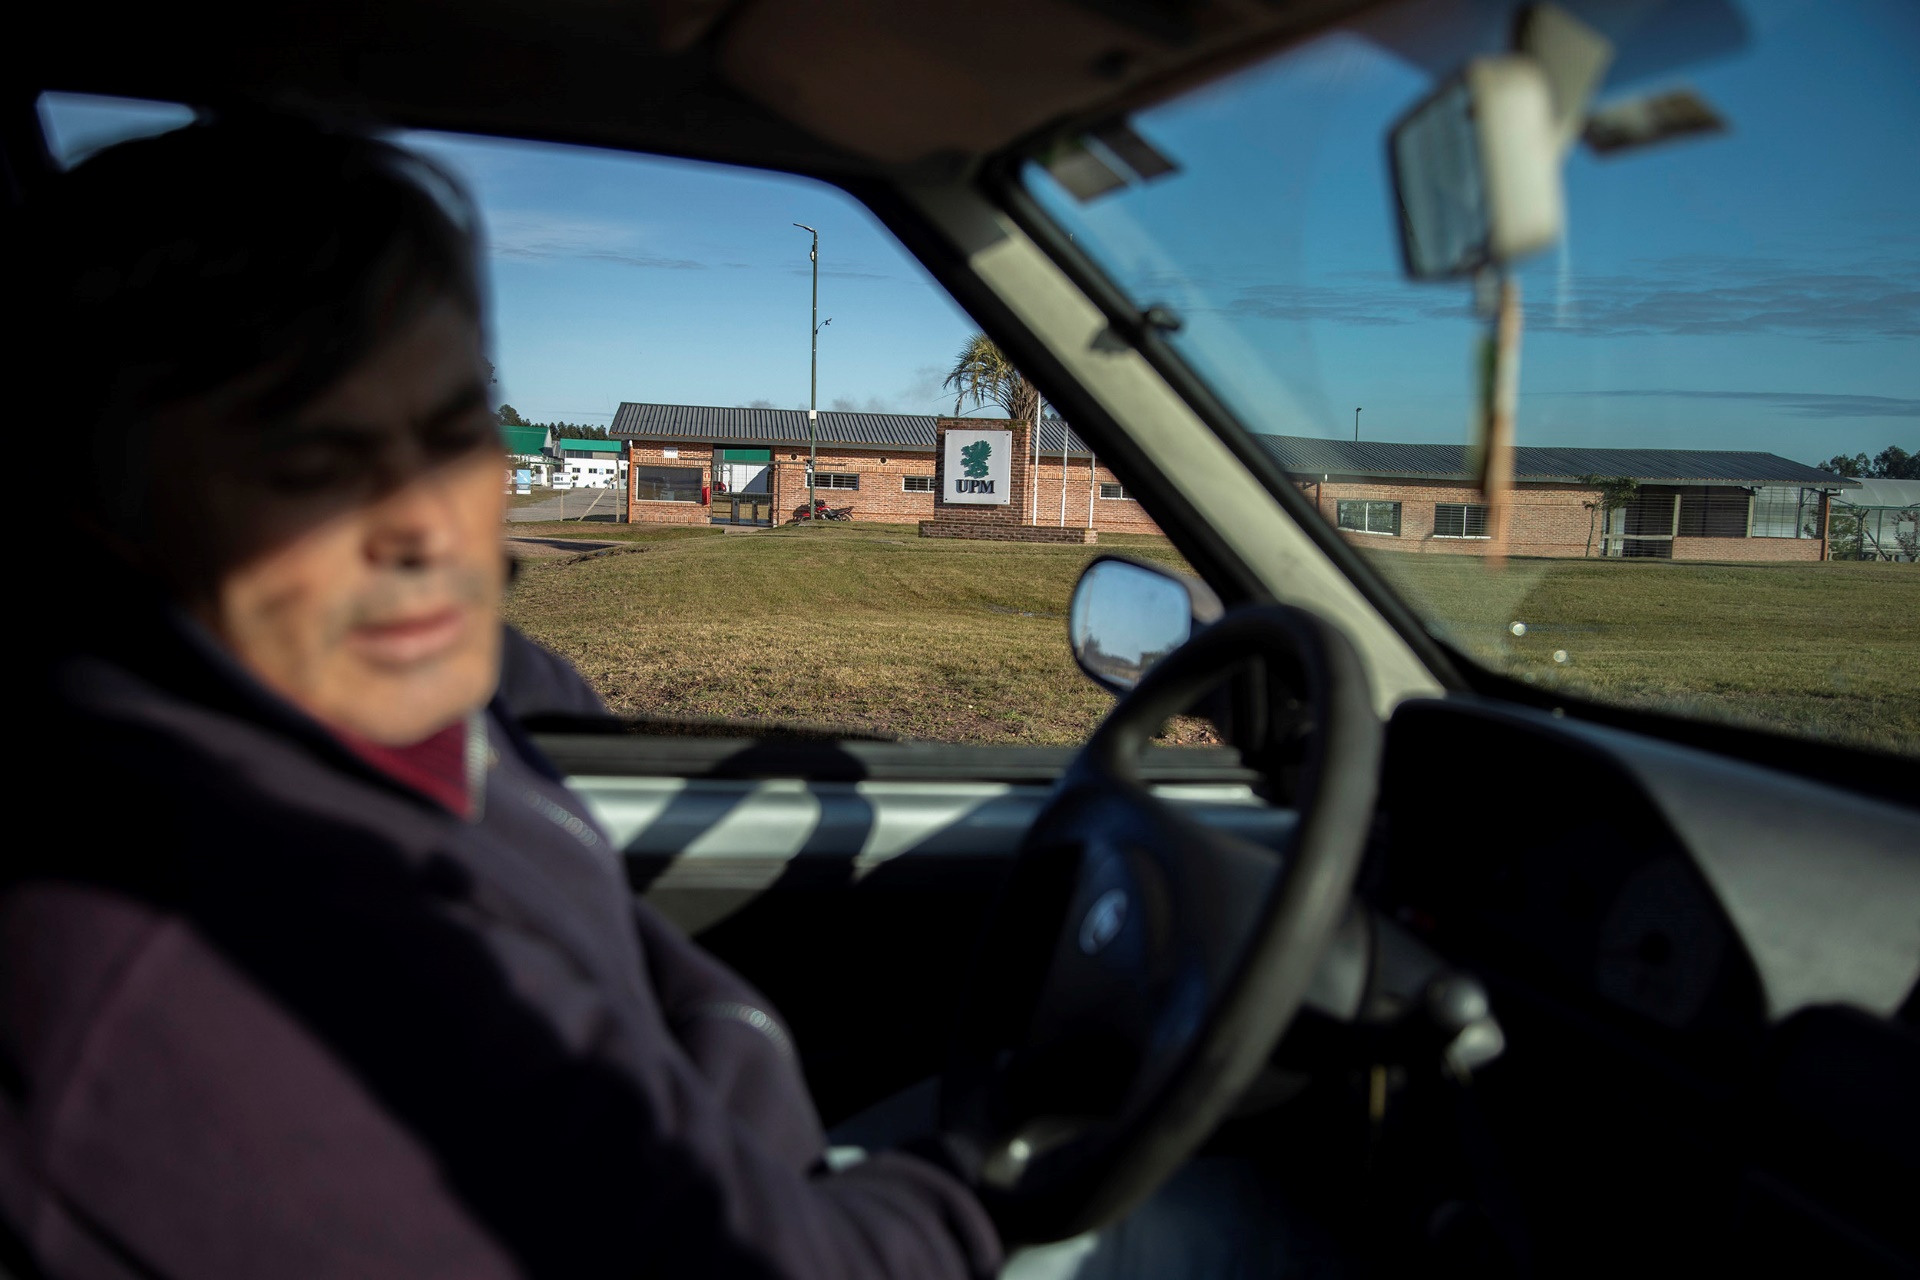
x,y
774,442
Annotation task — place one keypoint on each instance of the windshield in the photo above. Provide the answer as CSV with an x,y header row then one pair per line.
x,y
1714,495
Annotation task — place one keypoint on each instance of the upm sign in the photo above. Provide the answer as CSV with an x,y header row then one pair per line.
x,y
979,467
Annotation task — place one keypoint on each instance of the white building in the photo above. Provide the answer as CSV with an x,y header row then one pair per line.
x,y
588,464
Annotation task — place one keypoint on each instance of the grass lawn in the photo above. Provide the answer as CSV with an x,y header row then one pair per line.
x,y
873,626
862,624
1828,649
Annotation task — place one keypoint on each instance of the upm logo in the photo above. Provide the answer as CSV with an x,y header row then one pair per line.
x,y
975,466
978,466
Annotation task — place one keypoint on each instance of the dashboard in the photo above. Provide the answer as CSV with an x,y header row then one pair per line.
x,y
1689,890
1706,975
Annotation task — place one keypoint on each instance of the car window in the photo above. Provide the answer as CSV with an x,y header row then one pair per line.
x,y
1716,495
653,349
76,125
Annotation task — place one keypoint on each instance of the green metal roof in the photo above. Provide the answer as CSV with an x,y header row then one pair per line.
x,y
523,439
591,446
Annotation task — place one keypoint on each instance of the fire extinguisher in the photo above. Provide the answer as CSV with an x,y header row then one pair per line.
x,y
706,495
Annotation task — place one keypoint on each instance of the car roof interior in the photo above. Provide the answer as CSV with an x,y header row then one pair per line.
x,y
795,86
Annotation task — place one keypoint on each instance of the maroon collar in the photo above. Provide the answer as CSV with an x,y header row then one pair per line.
x,y
436,766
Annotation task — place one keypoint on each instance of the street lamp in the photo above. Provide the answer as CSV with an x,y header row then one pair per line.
x,y
1356,426
813,384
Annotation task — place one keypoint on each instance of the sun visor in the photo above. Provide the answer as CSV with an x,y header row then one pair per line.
x,y
903,82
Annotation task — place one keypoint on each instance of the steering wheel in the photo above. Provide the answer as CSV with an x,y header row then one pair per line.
x,y
1140,966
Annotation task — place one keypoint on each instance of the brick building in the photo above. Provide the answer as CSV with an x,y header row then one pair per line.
x,y
1686,504
690,464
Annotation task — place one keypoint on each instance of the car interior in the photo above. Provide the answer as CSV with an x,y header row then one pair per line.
x,y
1494,977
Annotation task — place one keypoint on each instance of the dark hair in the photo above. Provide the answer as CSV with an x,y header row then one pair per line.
x,y
261,251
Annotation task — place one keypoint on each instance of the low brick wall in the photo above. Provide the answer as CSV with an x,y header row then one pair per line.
x,y
1007,532
668,513
1760,550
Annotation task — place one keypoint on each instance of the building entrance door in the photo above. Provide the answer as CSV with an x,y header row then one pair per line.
x,y
742,492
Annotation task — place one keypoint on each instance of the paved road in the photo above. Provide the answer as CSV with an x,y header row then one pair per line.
x,y
567,504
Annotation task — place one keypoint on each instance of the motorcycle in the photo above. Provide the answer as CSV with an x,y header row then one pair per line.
x,y
821,511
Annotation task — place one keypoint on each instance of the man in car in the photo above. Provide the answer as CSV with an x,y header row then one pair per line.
x,y
313,968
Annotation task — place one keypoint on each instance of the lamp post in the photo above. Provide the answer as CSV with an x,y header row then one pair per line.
x,y
813,377
1356,426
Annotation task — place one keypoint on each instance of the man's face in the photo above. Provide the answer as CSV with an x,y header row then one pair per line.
x,y
350,556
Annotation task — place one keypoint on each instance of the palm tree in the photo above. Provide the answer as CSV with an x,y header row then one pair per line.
x,y
983,374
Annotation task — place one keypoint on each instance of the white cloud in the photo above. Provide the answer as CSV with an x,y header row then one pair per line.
x,y
533,234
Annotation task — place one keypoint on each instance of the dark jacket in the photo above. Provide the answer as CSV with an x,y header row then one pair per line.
x,y
265,1012
537,683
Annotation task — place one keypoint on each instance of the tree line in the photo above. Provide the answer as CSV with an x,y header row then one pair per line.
x,y
510,417
1891,463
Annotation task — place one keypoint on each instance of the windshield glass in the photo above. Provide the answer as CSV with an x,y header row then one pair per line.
x,y
1714,496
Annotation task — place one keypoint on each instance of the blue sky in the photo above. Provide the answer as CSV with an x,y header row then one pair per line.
x,y
618,277
1759,289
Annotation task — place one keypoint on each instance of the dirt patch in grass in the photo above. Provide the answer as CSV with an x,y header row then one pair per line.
x,y
525,550
590,531
551,540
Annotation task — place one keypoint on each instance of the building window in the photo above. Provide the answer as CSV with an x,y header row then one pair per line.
x,y
1459,520
1370,517
1713,511
666,484
1783,511
917,484
1113,491
1643,528
835,480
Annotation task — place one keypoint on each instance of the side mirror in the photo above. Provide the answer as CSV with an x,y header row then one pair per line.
x,y
1126,616
1476,169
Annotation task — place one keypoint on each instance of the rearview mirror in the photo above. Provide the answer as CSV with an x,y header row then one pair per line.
x,y
1476,170
1126,616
